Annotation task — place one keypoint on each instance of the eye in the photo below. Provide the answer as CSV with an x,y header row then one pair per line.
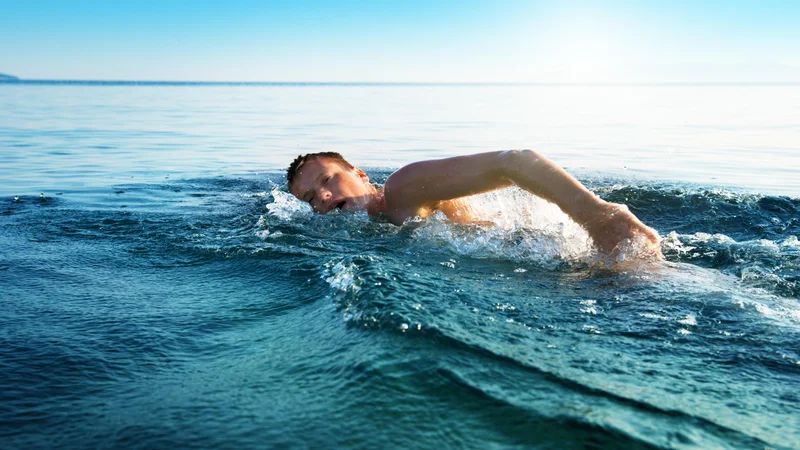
x,y
328,178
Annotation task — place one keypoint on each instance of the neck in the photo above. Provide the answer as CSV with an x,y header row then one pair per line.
x,y
377,202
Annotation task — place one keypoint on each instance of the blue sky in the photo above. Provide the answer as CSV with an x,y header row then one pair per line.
x,y
403,40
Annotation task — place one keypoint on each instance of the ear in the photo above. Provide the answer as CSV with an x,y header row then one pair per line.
x,y
360,173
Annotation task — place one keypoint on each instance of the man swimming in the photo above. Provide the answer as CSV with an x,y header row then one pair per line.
x,y
327,181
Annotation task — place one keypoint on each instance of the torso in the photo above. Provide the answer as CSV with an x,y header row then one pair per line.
x,y
457,210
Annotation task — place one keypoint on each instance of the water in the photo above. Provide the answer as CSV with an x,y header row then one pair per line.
x,y
161,289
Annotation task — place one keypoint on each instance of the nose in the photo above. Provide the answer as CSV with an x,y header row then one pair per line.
x,y
323,198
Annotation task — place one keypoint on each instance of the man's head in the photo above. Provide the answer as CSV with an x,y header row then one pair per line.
x,y
327,181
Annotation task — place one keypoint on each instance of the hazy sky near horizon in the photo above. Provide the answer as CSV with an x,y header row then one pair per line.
x,y
404,41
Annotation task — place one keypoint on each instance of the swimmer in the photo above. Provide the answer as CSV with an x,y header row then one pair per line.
x,y
327,181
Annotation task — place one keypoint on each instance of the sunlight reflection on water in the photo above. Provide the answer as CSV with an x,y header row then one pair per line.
x,y
743,136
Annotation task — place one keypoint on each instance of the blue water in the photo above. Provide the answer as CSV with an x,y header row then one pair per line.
x,y
161,289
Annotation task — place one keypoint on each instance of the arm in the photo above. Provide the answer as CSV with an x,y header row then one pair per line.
x,y
424,184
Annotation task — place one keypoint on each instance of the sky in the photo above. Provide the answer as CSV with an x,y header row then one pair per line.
x,y
403,41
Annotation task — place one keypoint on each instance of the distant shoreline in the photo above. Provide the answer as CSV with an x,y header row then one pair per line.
x,y
8,79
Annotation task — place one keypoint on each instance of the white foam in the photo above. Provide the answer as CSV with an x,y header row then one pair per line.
x,y
262,222
590,306
748,298
790,243
505,307
655,316
341,276
690,319
514,225
286,207
591,329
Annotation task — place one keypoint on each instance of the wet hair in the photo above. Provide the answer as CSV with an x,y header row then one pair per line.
x,y
298,162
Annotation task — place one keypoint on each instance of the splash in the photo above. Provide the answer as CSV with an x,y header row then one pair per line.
x,y
341,276
286,207
757,263
514,225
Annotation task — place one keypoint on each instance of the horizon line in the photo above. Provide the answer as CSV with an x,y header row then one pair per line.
x,y
18,80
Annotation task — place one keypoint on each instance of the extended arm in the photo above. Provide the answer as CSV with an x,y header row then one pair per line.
x,y
423,184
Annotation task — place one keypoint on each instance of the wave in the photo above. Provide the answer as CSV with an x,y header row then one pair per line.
x,y
504,309
548,321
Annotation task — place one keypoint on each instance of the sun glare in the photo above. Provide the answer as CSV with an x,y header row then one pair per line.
x,y
591,58
586,49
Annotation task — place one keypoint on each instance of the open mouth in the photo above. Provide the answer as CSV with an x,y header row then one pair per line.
x,y
340,205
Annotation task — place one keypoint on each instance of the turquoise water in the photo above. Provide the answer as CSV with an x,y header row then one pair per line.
x,y
161,289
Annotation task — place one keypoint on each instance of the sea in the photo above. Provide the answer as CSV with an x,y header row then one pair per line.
x,y
160,288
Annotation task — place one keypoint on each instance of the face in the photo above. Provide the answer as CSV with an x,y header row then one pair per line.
x,y
326,185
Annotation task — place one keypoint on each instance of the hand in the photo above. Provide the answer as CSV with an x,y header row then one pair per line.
x,y
614,224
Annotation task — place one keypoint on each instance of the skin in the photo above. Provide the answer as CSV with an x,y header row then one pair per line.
x,y
421,188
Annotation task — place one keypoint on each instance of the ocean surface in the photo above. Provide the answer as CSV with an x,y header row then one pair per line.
x,y
161,289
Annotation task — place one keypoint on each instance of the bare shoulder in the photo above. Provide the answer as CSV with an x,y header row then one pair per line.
x,y
405,178
401,194
428,185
